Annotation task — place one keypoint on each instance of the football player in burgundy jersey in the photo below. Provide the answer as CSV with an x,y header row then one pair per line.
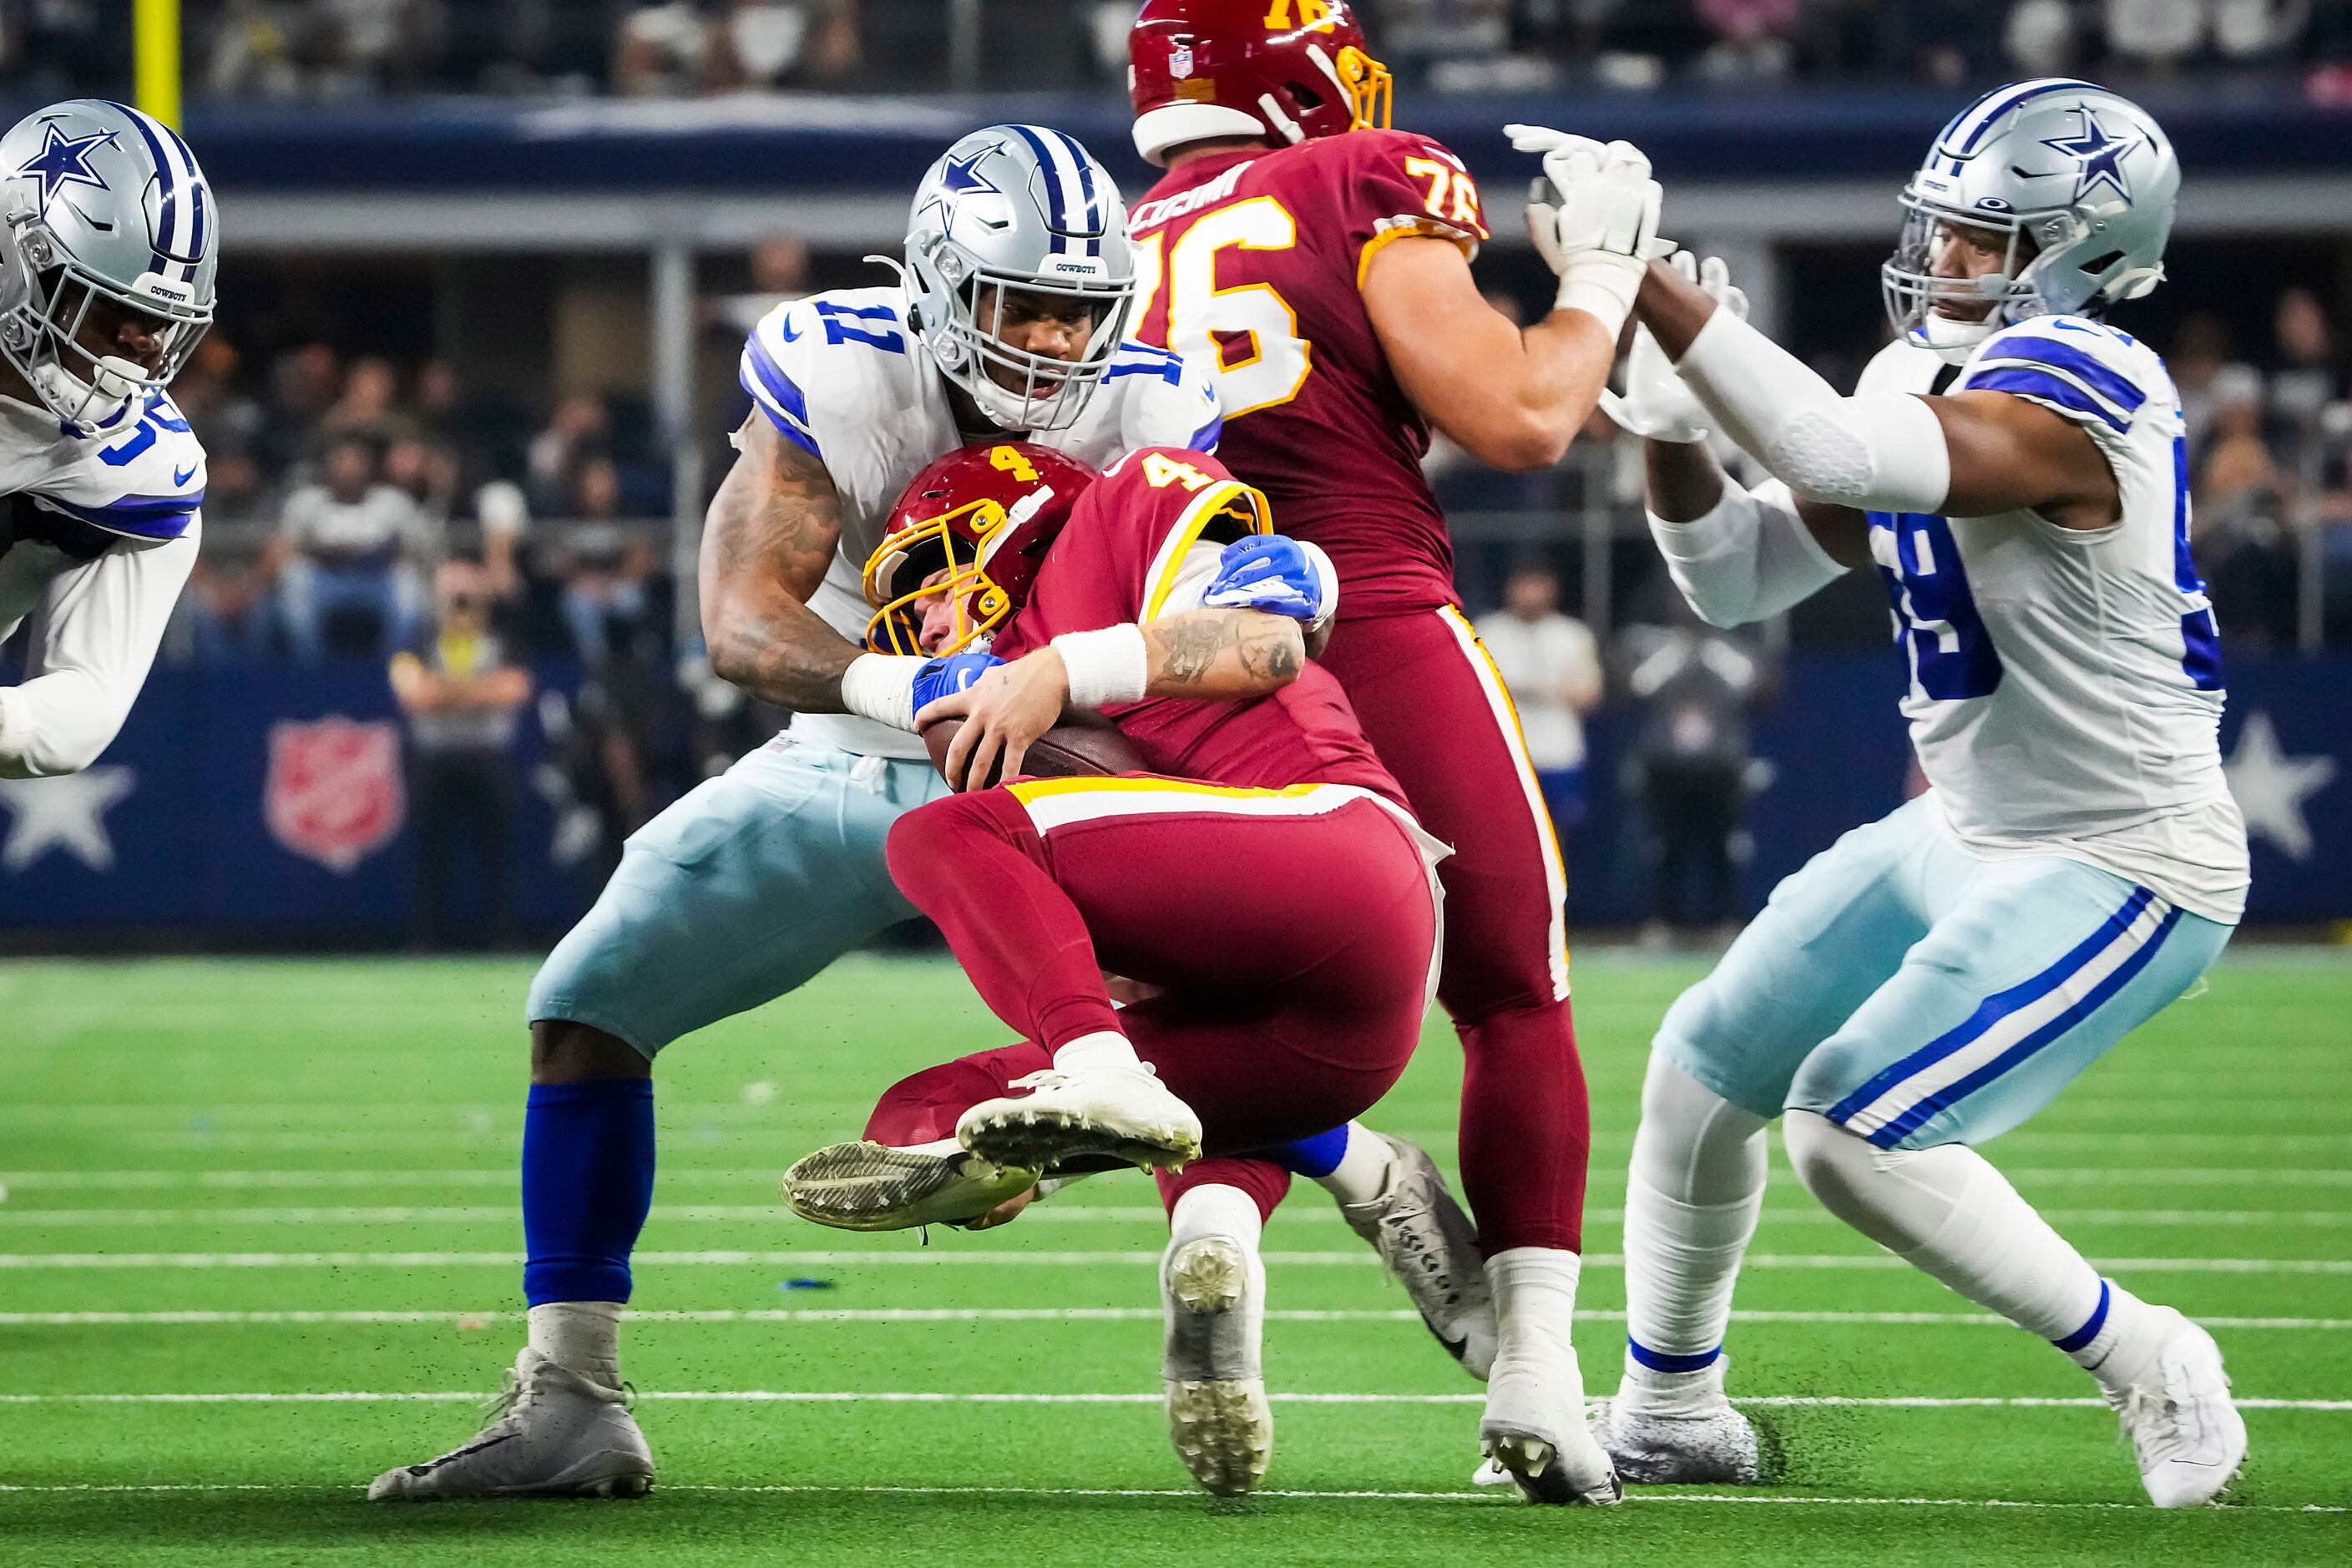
x,y
1319,261
1265,880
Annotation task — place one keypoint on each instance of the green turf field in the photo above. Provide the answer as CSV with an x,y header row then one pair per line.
x,y
260,1242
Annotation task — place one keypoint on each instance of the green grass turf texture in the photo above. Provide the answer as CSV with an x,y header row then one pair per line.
x,y
374,1109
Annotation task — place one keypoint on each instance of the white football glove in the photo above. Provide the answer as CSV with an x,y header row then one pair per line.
x,y
1593,214
1657,403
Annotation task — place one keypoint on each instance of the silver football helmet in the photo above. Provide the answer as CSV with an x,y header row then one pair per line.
x,y
2081,179
100,203
1008,210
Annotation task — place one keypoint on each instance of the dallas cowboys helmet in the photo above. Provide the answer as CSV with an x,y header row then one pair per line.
x,y
2082,178
100,201
1018,208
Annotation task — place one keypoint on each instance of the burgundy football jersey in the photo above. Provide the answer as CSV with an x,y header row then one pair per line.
x,y
1255,258
1117,559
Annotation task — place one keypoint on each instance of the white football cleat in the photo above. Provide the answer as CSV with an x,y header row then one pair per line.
x,y
1534,1424
1122,1113
552,1433
2184,1428
1689,1437
867,1186
1430,1247
1210,1287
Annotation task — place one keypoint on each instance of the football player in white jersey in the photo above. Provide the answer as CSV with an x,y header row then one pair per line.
x,y
1009,318
109,241
2014,468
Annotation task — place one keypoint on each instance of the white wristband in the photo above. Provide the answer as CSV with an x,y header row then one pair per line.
x,y
1106,667
1601,284
881,687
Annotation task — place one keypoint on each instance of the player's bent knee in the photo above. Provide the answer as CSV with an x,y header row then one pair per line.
x,y
929,835
563,1051
1896,1197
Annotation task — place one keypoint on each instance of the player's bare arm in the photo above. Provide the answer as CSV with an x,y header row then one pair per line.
x,y
1512,398
767,540
1213,655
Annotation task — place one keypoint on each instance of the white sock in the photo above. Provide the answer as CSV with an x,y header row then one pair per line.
x,y
1535,1295
1365,1168
1103,1048
1948,1213
1691,1201
580,1336
1215,1210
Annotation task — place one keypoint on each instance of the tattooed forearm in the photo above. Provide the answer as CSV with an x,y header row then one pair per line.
x,y
766,543
1223,654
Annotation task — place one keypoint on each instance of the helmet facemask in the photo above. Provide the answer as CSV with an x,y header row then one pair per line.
x,y
958,542
40,334
1983,304
1371,89
1017,389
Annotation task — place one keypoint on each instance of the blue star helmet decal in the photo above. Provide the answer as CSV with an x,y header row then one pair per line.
x,y
65,159
2098,155
962,177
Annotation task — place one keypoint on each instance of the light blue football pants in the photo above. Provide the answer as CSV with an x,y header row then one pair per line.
x,y
1917,996
742,891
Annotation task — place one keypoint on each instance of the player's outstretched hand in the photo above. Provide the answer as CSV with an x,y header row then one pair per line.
x,y
1593,214
1005,711
1280,575
1657,403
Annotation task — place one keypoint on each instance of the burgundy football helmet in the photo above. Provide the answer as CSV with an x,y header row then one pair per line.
x,y
1281,70
985,515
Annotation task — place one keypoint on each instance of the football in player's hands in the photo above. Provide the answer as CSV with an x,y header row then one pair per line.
x,y
1081,747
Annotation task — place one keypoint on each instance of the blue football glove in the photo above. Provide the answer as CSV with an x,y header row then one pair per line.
x,y
1279,575
949,674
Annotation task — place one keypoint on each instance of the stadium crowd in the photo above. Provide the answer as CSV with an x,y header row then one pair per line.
x,y
327,48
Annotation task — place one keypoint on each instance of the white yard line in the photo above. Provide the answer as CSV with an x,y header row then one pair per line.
x,y
765,1178
926,1396
1010,1315
1042,1214
1490,1497
940,1257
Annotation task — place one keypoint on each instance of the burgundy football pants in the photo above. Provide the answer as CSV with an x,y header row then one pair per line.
x,y
1435,710
1290,932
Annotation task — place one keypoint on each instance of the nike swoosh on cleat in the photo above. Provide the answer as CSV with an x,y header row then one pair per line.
x,y
454,1455
182,476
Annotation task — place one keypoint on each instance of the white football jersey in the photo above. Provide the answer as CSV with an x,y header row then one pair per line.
x,y
2065,688
102,540
840,373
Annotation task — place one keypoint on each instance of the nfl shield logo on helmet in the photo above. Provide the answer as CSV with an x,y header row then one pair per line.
x,y
334,793
1180,60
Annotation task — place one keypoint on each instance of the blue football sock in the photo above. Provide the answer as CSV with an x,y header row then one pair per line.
x,y
1312,1157
587,1184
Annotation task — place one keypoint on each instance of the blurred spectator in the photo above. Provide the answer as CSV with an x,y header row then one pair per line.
x,y
2039,38
2200,352
302,384
462,697
664,50
226,608
608,569
1946,42
1551,667
1751,38
1690,762
2154,34
350,543
368,407
780,272
2243,543
2308,376
580,429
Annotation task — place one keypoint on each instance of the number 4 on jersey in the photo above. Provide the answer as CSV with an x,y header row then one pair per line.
x,y
1161,470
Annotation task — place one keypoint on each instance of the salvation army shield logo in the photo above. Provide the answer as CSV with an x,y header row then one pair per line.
x,y
334,793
